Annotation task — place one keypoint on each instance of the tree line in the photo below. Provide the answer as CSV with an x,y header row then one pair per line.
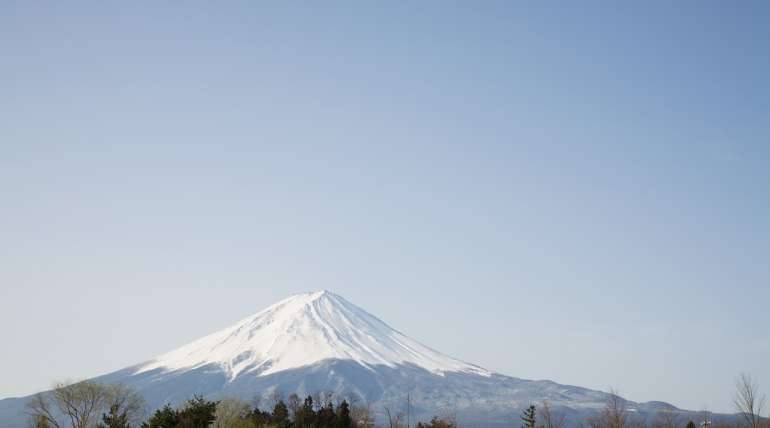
x,y
748,401
92,405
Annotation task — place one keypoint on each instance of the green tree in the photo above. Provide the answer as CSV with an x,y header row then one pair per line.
x,y
326,418
260,417
280,416
163,418
437,422
306,415
343,415
197,413
690,424
115,418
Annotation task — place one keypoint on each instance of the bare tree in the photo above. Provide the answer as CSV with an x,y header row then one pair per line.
x,y
666,419
294,404
748,402
125,400
79,403
395,420
41,412
613,415
449,415
362,414
82,402
615,412
230,413
550,418
38,422
637,421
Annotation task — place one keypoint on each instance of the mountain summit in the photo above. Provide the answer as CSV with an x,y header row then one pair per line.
x,y
302,330
321,343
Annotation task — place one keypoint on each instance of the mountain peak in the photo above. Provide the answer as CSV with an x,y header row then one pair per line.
x,y
308,297
301,330
312,295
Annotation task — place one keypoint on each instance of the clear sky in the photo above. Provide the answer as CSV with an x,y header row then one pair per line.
x,y
572,192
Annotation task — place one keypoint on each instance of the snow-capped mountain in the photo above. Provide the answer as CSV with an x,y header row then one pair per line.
x,y
321,343
302,330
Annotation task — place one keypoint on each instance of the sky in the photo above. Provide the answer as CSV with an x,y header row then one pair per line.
x,y
549,190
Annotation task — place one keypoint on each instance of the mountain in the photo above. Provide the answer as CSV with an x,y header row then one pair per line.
x,y
303,330
319,342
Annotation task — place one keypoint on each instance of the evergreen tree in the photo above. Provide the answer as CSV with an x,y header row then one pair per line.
x,y
436,422
690,424
343,415
163,418
197,413
280,416
306,416
528,417
326,418
260,418
114,419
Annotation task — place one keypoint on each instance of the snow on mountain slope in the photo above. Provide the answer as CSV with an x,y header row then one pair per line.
x,y
320,343
302,330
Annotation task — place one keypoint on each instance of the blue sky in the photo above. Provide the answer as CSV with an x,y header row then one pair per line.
x,y
561,191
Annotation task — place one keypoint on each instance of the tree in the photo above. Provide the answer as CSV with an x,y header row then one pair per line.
x,y
528,417
259,417
362,415
294,404
437,422
116,418
395,419
690,424
39,422
666,419
280,415
230,413
163,418
613,415
549,417
80,404
305,416
41,413
197,413
123,400
343,415
326,417
748,402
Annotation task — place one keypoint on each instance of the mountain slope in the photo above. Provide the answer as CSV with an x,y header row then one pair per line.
x,y
302,330
319,342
